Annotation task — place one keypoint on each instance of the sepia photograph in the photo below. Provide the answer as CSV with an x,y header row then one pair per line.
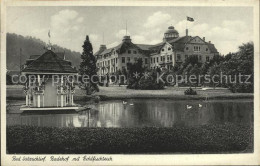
x,y
128,79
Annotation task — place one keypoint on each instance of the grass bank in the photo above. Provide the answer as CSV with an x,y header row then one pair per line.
x,y
115,92
225,138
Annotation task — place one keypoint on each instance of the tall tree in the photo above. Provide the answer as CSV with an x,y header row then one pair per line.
x,y
88,68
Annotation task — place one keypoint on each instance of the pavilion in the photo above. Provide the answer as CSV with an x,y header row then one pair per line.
x,y
47,86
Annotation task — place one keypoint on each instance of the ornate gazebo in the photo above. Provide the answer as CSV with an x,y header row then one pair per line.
x,y
50,83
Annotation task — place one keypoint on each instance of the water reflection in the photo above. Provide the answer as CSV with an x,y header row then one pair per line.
x,y
159,113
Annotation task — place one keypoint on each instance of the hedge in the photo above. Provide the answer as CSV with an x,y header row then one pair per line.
x,y
225,138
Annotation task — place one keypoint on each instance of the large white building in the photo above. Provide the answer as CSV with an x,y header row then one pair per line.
x,y
172,50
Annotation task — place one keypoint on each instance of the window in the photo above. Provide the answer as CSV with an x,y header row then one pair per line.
x,y
170,57
146,60
129,51
200,57
135,59
123,59
151,60
207,49
178,57
187,48
128,59
135,52
197,48
186,56
116,60
162,50
207,59
161,58
157,59
169,48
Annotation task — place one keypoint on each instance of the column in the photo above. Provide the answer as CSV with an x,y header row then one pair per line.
x,y
38,95
61,96
26,94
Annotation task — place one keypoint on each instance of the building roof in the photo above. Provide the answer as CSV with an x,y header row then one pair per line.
x,y
60,54
178,44
212,48
50,62
144,47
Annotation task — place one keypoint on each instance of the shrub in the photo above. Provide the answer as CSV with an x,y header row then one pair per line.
x,y
242,88
190,91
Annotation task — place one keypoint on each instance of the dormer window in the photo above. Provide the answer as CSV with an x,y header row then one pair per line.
x,y
129,51
169,48
162,50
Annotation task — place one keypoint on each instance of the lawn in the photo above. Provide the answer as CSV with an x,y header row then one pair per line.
x,y
218,138
116,92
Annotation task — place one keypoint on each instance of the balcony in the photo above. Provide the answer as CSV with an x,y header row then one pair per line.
x,y
168,61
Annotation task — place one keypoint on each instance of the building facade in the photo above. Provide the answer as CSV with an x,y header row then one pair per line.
x,y
172,50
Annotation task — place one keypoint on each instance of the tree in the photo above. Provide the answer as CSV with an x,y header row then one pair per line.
x,y
88,68
195,71
214,72
242,63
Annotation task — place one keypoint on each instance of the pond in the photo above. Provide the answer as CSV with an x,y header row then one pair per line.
x,y
139,113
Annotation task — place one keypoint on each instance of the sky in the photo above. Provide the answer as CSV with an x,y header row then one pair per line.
x,y
226,27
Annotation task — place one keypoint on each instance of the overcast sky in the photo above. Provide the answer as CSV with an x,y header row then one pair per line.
x,y
226,27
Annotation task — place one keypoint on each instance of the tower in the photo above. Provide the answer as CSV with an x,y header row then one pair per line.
x,y
170,34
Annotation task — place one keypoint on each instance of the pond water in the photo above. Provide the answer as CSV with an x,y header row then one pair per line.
x,y
139,113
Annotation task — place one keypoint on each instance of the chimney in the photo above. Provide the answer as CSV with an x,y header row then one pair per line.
x,y
126,39
203,38
102,47
187,32
209,42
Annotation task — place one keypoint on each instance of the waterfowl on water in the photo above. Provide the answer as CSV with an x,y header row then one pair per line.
x,y
124,102
200,105
189,106
131,104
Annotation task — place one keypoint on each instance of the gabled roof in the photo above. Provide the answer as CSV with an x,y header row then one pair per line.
x,y
49,62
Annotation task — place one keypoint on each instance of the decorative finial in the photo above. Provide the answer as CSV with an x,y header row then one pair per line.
x,y
87,38
49,44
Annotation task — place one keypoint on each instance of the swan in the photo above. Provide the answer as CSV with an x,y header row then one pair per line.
x,y
189,106
124,102
200,105
131,104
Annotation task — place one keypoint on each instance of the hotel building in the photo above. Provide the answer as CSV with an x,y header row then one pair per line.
x,y
172,50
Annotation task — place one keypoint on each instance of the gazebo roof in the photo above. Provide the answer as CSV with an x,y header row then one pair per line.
x,y
49,62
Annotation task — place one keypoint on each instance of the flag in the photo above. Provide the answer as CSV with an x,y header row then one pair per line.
x,y
49,33
190,19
